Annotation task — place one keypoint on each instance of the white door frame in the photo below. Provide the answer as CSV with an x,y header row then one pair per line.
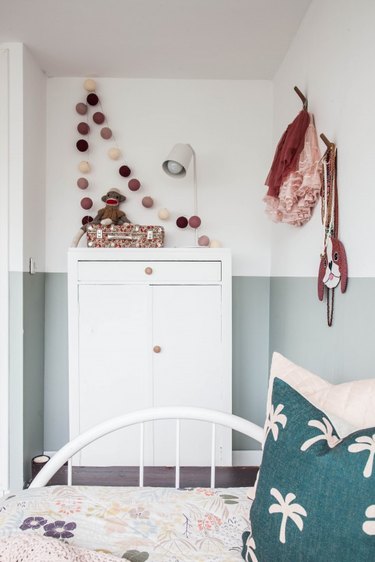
x,y
4,271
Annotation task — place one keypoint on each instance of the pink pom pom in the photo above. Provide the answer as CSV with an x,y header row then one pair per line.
x,y
203,240
82,183
86,203
134,184
147,202
194,221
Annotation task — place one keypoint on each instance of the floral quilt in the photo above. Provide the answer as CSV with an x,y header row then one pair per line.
x,y
137,524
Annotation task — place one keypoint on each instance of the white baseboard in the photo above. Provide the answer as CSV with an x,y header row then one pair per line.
x,y
49,453
247,458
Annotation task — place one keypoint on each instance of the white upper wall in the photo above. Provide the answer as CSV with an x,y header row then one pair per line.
x,y
331,60
27,134
15,51
229,125
34,162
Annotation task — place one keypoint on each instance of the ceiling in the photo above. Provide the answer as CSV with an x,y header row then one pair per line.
x,y
212,39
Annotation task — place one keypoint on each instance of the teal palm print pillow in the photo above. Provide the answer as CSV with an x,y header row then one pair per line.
x,y
315,498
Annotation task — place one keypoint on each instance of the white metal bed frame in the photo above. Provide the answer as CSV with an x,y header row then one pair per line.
x,y
213,417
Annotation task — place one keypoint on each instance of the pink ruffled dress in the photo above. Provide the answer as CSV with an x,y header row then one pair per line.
x,y
300,190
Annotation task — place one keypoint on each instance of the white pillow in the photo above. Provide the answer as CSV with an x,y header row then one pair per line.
x,y
350,405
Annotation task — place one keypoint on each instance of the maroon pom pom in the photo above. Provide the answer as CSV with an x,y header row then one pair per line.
x,y
182,222
86,219
98,118
82,183
134,184
82,145
83,128
81,108
125,171
92,99
86,203
106,133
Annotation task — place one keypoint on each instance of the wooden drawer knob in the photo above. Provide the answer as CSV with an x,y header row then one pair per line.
x,y
157,349
148,270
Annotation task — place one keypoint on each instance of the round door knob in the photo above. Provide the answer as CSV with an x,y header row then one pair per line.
x,y
157,349
148,270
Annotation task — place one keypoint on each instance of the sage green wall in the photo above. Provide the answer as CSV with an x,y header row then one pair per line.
x,y
16,379
56,390
26,365
298,327
269,314
250,355
33,372
251,298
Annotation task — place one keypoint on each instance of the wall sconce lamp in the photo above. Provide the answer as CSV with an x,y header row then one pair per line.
x,y
178,160
176,165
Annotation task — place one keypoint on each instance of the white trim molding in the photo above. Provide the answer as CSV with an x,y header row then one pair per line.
x,y
4,270
247,458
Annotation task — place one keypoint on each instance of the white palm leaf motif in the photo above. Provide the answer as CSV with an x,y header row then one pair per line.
x,y
369,526
365,443
250,554
275,417
288,510
326,434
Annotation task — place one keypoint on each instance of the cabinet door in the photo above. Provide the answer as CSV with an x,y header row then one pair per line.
x,y
189,370
114,366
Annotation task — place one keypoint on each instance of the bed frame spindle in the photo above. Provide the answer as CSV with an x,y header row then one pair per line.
x,y
141,454
177,478
213,446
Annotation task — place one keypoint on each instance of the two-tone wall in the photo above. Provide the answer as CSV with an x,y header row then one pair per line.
x,y
330,60
229,125
27,126
233,127
275,304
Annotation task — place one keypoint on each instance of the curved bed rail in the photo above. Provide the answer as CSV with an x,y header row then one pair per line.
x,y
140,417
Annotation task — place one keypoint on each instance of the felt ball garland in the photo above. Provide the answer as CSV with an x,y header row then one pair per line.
x,y
84,167
98,118
163,214
114,153
92,99
124,171
203,240
82,145
81,108
195,222
106,133
86,219
134,184
82,183
83,128
147,202
182,222
89,85
86,203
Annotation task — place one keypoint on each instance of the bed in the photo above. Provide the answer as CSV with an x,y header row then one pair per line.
x,y
317,466
203,524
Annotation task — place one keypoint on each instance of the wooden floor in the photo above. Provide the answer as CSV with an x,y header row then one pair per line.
x,y
226,477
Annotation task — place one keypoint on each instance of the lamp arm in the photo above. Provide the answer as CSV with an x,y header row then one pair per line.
x,y
195,191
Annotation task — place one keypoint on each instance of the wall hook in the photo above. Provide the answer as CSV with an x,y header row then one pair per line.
x,y
327,142
302,97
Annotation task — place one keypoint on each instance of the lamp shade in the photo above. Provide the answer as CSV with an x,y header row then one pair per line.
x,y
178,160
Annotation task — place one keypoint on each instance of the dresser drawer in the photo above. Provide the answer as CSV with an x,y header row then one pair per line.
x,y
149,271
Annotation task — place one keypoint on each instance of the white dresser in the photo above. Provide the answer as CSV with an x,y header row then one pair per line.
x,y
149,328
